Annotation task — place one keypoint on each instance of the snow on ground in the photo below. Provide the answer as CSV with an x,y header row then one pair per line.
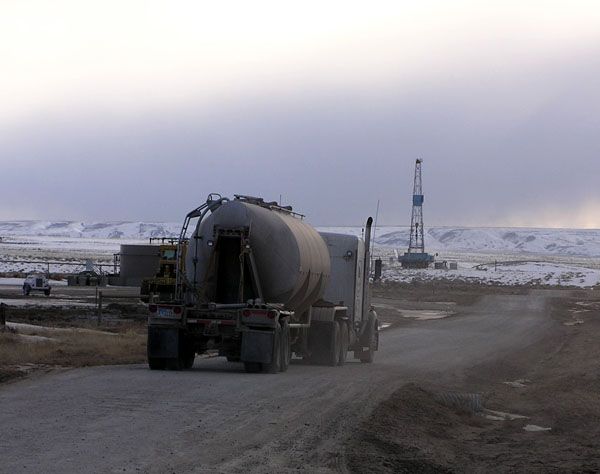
x,y
575,242
90,230
31,329
19,282
564,257
517,273
42,301
57,249
99,246
572,242
525,256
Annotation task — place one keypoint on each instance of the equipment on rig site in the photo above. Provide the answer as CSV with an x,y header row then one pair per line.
x,y
416,257
259,284
163,284
36,282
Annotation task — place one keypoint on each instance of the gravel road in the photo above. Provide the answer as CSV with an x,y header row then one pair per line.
x,y
216,418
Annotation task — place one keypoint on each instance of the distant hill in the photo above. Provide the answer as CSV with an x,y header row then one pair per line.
x,y
575,242
92,230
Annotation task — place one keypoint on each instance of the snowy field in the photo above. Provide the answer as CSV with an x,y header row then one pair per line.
x,y
567,257
495,256
57,249
518,273
90,230
492,240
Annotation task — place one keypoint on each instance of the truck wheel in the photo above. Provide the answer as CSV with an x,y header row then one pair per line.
x,y
188,361
157,364
335,346
26,290
286,349
327,350
344,336
275,365
47,292
175,363
187,353
367,357
252,367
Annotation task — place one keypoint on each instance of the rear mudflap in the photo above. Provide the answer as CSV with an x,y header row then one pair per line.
x,y
163,343
257,346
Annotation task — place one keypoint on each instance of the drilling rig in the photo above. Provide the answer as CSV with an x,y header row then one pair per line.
x,y
416,257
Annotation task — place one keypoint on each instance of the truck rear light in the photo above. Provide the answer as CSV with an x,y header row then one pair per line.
x,y
153,308
272,314
177,309
246,313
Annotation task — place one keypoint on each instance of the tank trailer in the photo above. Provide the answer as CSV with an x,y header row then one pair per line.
x,y
258,284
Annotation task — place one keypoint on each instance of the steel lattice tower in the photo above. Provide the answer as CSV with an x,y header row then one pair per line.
x,y
417,241
416,257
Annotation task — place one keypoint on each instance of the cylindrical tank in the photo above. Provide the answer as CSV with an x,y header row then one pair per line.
x,y
138,262
292,259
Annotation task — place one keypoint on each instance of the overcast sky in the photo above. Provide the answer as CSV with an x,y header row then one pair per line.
x,y
136,110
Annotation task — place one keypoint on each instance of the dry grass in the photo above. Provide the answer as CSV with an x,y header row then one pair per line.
x,y
73,349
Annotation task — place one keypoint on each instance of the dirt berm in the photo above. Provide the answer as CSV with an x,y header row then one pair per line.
x,y
543,400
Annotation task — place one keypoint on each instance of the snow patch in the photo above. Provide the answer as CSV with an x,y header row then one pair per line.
x,y
520,383
34,339
515,273
535,428
501,415
424,314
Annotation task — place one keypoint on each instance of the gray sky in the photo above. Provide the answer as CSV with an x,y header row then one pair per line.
x,y
136,110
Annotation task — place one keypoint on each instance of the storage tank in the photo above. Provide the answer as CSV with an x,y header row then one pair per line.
x,y
291,258
138,262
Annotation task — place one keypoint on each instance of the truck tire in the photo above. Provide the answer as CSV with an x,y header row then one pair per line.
x,y
175,363
367,357
157,364
327,350
344,341
286,347
26,290
335,345
47,292
188,360
275,365
252,367
187,353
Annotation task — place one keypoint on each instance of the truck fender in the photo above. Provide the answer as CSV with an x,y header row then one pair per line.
x,y
370,325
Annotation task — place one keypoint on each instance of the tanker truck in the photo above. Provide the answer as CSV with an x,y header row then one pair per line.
x,y
259,284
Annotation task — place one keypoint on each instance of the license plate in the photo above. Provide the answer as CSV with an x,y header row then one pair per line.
x,y
165,312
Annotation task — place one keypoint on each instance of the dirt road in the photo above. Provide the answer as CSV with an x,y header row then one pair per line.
x,y
215,418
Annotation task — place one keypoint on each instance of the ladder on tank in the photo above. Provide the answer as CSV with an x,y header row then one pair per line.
x,y
213,201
